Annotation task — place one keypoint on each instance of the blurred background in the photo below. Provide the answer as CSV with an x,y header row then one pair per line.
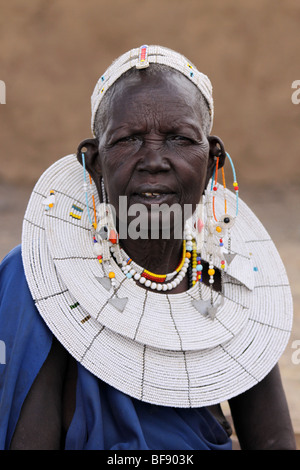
x,y
52,54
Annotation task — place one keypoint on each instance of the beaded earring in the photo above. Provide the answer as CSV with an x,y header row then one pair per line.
x,y
216,230
106,236
106,240
196,237
102,228
85,189
219,227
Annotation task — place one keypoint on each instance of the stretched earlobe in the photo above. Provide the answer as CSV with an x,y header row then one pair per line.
x,y
90,148
92,161
216,149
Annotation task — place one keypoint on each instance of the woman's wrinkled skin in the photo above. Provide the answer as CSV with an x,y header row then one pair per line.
x,y
152,141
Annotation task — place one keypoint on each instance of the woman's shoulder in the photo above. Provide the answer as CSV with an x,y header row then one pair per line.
x,y
12,260
13,285
12,275
17,307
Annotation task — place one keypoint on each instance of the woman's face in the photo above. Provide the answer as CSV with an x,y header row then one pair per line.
x,y
153,148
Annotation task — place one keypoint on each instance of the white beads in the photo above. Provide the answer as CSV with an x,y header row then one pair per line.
x,y
97,249
172,280
211,273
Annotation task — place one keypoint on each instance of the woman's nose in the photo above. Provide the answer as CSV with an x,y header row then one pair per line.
x,y
153,159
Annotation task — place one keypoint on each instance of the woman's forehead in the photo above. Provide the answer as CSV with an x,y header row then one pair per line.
x,y
150,87
140,95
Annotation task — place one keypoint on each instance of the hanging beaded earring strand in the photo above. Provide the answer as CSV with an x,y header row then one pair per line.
x,y
198,240
104,234
222,225
217,228
99,231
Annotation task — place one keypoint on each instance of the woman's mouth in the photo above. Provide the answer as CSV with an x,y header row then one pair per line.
x,y
151,195
154,197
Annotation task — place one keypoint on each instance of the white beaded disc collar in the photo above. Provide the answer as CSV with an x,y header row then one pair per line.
x,y
158,348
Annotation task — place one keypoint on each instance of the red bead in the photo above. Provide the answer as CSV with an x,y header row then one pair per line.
x,y
215,188
236,188
113,237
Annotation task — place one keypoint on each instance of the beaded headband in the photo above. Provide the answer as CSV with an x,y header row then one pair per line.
x,y
141,58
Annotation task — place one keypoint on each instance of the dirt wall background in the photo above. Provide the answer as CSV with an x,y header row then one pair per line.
x,y
52,53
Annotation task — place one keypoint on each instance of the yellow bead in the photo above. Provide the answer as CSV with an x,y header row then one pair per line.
x,y
188,254
211,272
235,183
222,266
218,229
111,275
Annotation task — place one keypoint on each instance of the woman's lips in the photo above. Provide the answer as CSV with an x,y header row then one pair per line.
x,y
149,198
151,194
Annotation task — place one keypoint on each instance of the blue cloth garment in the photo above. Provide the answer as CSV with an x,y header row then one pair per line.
x,y
104,418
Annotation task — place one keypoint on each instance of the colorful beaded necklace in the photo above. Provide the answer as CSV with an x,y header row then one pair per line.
x,y
162,282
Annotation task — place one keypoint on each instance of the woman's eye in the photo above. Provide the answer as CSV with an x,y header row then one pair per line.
x,y
127,139
181,139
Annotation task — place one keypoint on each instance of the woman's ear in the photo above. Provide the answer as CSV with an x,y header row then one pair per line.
x,y
216,150
92,161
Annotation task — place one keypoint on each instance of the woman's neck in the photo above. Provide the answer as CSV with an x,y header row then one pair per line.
x,y
158,256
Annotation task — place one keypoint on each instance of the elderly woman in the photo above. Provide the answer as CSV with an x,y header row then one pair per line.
x,y
147,293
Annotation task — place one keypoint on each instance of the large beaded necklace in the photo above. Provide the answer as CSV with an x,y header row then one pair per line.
x,y
162,282
159,282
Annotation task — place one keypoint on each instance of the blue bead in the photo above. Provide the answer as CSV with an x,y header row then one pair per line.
x,y
129,275
255,269
199,267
